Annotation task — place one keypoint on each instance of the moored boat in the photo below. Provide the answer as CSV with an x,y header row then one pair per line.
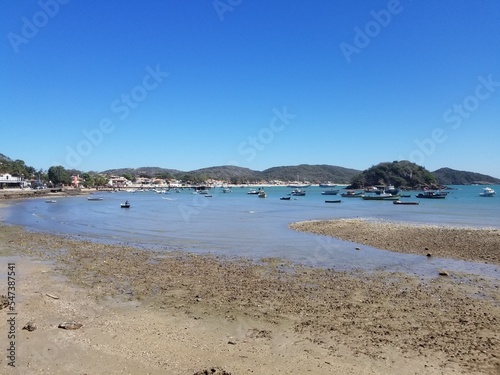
x,y
406,202
262,194
487,192
285,198
381,197
94,198
125,205
334,201
330,192
432,195
352,194
298,192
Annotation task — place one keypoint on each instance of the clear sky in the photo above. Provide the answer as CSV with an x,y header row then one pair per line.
x,y
95,85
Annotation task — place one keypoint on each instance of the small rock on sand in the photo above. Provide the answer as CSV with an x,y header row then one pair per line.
x,y
70,325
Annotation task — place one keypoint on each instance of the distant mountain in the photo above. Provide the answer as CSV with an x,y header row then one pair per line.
x,y
448,176
144,172
229,173
311,173
237,175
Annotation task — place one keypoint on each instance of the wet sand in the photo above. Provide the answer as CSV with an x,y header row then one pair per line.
x,y
146,312
471,244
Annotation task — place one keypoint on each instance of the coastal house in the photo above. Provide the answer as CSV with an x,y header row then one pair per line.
x,y
7,181
118,182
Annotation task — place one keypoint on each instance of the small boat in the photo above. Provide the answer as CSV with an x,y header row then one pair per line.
x,y
432,195
298,192
208,195
352,194
380,197
406,202
50,201
487,192
94,198
125,205
285,198
405,195
327,185
262,194
330,192
335,201
253,191
226,190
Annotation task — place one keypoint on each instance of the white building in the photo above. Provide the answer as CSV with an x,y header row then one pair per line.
x,y
7,181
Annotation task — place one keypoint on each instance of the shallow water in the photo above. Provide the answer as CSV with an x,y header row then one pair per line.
x,y
239,224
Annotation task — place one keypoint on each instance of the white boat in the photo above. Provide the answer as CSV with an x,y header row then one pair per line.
x,y
330,192
50,201
226,190
298,192
487,192
262,194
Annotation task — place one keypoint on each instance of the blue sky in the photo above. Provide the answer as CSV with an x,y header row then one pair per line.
x,y
255,83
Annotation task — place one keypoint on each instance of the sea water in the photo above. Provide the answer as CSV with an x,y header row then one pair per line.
x,y
241,224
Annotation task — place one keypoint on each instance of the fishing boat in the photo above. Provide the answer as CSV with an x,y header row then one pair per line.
x,y
352,194
125,205
298,192
335,201
330,192
432,195
94,198
380,197
406,202
487,192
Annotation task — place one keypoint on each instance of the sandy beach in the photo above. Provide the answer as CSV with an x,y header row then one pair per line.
x,y
146,312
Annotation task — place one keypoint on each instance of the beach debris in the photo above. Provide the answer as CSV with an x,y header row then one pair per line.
x,y
444,273
30,326
231,342
428,255
51,296
212,371
70,325
4,302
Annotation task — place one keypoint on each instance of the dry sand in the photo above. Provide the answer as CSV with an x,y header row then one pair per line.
x,y
172,313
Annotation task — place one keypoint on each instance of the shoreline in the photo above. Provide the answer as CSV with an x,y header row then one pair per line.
x,y
181,313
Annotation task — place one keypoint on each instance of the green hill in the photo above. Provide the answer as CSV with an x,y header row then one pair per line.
x,y
448,176
401,174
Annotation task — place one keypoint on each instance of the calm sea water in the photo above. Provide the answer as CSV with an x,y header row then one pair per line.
x,y
240,224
